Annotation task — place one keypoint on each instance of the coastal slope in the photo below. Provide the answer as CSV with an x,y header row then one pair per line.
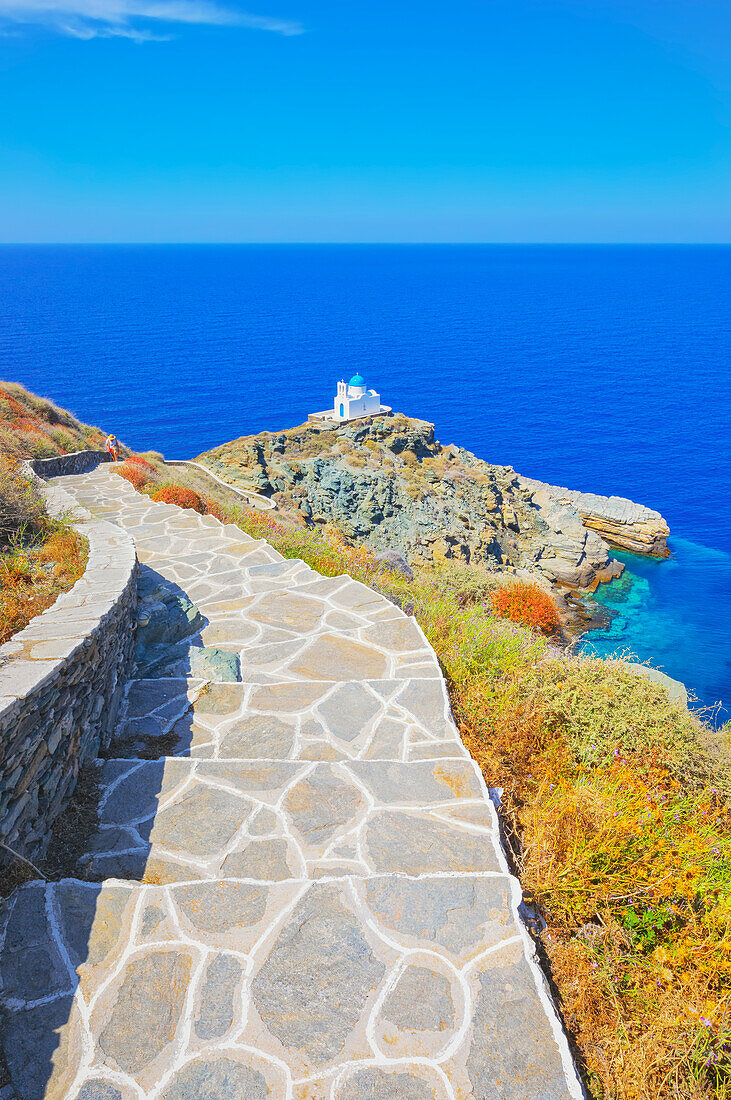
x,y
33,427
389,484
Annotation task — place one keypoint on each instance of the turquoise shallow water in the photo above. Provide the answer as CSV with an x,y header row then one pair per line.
x,y
603,368
673,613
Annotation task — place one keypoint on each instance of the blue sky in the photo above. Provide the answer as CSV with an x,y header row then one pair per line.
x,y
311,120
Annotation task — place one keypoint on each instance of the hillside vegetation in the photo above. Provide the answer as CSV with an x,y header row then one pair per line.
x,y
614,803
32,427
40,556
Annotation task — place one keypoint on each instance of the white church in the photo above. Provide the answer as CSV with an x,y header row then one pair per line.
x,y
352,400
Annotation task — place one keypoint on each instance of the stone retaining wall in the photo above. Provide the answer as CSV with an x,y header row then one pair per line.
x,y
61,680
77,463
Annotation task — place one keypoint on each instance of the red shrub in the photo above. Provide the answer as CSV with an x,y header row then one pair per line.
x,y
27,424
135,477
142,463
526,604
184,498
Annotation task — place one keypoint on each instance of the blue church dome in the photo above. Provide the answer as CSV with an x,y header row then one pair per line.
x,y
357,380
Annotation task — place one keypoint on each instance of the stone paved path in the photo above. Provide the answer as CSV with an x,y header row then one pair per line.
x,y
296,889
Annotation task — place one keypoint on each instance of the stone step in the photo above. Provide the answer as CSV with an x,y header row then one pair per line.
x,y
328,655
385,988
175,820
399,719
274,615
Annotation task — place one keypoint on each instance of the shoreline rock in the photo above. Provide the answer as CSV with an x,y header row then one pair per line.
x,y
617,520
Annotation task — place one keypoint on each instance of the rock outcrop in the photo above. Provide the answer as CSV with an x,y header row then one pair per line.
x,y
618,520
388,484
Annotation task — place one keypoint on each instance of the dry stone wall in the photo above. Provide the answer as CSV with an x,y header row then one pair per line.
x,y
60,683
79,462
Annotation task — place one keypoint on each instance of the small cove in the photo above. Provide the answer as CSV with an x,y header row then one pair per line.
x,y
672,613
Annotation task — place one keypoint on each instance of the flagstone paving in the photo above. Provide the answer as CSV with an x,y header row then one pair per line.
x,y
296,888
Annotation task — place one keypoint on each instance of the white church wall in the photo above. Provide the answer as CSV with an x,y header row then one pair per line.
x,y
351,402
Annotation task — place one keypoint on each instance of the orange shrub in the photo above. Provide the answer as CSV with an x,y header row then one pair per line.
x,y
526,604
213,508
132,474
184,498
25,424
11,406
142,463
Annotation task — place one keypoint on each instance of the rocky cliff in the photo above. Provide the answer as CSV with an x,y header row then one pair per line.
x,y
388,483
620,521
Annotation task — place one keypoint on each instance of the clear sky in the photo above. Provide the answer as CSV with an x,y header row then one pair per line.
x,y
365,120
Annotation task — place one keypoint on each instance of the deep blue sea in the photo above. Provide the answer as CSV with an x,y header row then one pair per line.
x,y
603,368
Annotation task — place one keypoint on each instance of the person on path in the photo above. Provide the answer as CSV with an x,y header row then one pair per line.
x,y
112,445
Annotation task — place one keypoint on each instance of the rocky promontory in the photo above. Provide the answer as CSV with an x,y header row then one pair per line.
x,y
390,485
621,522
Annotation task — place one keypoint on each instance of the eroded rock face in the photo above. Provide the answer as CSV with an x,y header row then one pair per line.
x,y
388,483
619,521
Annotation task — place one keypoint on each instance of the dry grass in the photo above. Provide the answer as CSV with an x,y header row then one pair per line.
x,y
628,856
32,576
74,828
22,508
32,427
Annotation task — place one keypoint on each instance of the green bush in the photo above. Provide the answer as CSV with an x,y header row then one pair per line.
x,y
40,447
63,440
